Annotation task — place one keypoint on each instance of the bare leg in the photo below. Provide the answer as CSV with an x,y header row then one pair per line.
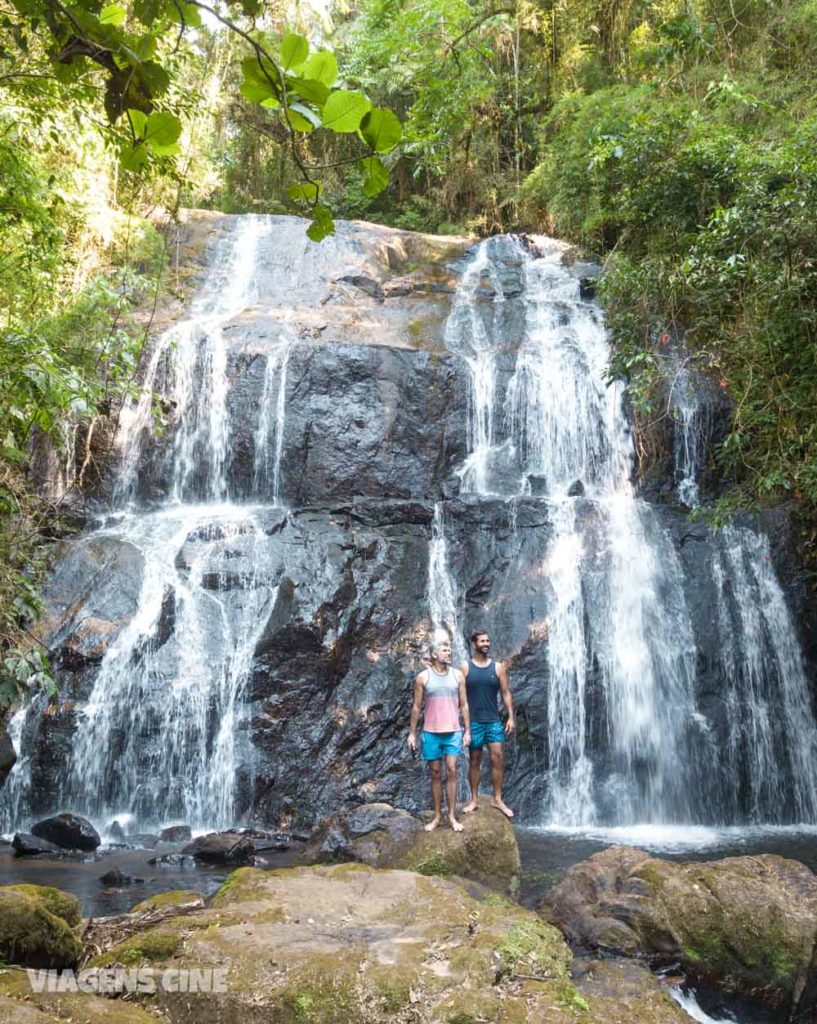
x,y
474,765
495,750
451,790
436,794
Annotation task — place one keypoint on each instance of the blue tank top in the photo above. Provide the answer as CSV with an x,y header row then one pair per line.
x,y
482,688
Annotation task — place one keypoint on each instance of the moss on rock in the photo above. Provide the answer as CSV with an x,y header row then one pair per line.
x,y
154,944
32,935
59,903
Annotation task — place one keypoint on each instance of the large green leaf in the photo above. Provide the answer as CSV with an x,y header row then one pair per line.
x,y
147,11
138,120
321,66
381,129
309,89
322,223
162,132
375,175
294,50
113,14
307,190
344,110
300,117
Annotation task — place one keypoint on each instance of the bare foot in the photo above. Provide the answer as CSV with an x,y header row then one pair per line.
x,y
502,806
432,824
455,825
472,805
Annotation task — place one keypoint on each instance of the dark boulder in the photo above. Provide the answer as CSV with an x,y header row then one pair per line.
x,y
68,831
221,848
115,877
116,832
27,845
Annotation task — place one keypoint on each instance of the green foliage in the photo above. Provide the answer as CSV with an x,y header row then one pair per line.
x,y
691,171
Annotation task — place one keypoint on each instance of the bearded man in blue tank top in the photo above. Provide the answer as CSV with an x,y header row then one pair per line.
x,y
443,688
485,681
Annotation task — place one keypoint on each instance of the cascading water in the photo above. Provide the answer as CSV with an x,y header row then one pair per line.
x,y
163,732
619,624
691,409
441,600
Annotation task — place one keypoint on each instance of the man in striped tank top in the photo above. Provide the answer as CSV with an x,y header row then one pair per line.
x,y
444,690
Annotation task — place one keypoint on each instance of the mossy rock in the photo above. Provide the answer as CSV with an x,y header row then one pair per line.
x,y
748,924
174,898
32,935
59,903
333,944
151,945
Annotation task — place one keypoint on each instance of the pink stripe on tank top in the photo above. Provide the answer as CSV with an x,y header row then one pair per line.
x,y
442,711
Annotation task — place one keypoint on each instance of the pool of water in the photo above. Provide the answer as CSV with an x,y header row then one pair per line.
x,y
80,874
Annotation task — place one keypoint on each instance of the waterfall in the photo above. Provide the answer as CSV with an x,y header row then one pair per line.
x,y
691,409
618,624
441,600
164,730
269,434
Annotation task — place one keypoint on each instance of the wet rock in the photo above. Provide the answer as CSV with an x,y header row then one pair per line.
x,y
144,840
68,831
8,756
173,860
748,924
33,934
115,877
576,489
587,288
27,845
538,485
221,848
366,284
386,837
176,834
116,832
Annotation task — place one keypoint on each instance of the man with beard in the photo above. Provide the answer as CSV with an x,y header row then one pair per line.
x,y
485,681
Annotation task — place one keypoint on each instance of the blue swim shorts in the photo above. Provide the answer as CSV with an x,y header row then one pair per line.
x,y
486,732
439,744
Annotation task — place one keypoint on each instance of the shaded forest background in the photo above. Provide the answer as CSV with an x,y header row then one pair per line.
x,y
672,140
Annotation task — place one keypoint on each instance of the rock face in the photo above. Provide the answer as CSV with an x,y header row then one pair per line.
x,y
383,837
68,831
8,755
373,437
330,945
27,845
748,924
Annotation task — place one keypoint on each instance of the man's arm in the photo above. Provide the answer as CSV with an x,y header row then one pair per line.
x,y
466,715
419,686
507,699
464,668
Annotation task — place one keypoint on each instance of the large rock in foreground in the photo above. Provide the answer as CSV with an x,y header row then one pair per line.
x,y
36,927
330,945
749,924
386,837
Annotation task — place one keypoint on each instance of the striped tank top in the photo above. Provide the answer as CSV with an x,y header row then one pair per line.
x,y
442,713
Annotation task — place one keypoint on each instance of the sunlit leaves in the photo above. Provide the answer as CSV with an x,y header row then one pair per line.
x,y
294,50
321,67
375,175
308,191
322,223
381,129
344,110
113,14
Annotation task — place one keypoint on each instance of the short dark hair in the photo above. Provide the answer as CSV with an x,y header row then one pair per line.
x,y
477,634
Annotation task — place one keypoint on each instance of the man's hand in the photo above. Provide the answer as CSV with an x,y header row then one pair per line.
x,y
510,726
466,739
412,742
